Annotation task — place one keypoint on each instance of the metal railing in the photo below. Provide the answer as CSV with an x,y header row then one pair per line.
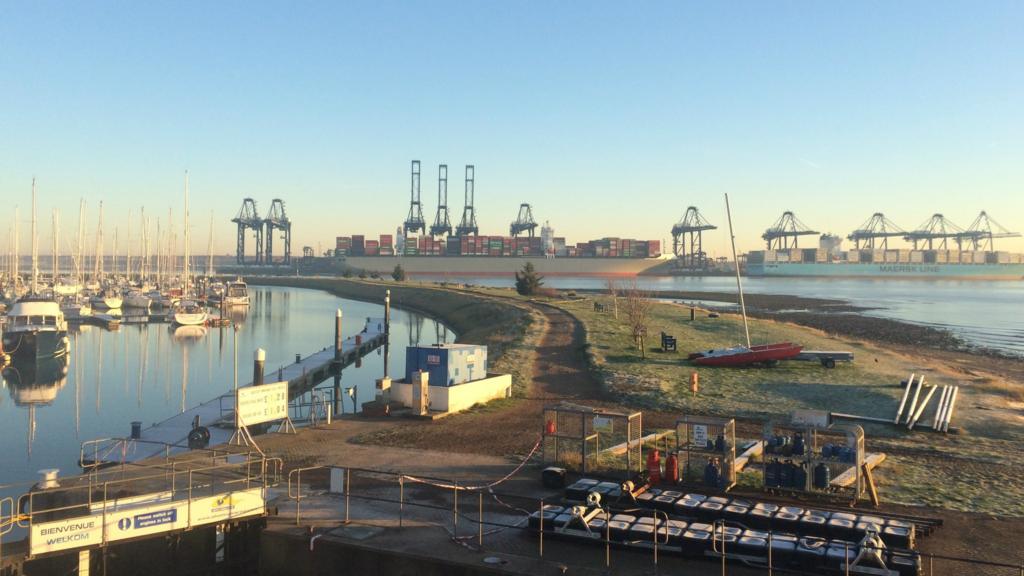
x,y
444,504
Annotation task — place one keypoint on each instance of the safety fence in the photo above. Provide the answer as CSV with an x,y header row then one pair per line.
x,y
121,502
479,517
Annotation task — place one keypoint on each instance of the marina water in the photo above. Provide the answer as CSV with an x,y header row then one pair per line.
x,y
986,314
149,372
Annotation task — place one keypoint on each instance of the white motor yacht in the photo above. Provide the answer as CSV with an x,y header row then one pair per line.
x,y
237,294
189,313
36,329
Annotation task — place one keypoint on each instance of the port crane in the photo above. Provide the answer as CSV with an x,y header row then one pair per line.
x,y
442,225
468,224
277,219
938,227
875,233
687,243
786,232
414,221
981,233
524,222
248,219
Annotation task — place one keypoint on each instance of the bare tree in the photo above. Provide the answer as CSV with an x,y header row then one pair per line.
x,y
614,290
638,306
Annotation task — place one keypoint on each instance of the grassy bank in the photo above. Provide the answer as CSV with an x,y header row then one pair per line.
x,y
976,470
502,326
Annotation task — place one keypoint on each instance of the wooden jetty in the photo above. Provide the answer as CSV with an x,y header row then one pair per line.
x,y
218,415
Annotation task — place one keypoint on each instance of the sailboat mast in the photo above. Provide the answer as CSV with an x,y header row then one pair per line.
x,y
188,252
17,249
81,232
98,264
35,242
56,245
209,250
128,251
736,262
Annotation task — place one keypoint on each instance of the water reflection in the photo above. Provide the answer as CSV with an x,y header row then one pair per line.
x,y
151,371
35,383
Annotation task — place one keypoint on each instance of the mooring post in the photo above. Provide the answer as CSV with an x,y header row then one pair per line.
x,y
387,330
259,358
337,336
541,531
480,519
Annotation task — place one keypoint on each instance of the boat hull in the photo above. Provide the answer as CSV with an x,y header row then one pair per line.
x,y
36,345
764,354
504,265
888,270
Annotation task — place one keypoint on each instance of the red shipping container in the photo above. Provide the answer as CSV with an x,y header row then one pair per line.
x,y
386,239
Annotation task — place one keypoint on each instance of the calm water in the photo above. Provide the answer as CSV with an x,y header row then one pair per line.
x,y
989,314
149,372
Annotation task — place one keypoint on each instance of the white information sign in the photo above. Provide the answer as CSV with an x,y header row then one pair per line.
x,y
66,534
700,435
228,506
123,522
263,403
146,520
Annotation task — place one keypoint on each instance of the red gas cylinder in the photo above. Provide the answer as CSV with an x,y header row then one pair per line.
x,y
654,467
672,468
549,428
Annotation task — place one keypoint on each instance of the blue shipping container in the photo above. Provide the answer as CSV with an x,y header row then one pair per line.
x,y
447,364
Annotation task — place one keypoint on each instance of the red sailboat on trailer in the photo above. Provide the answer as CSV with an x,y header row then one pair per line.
x,y
765,354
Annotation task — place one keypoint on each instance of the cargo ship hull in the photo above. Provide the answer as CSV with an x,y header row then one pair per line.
x,y
504,265
889,270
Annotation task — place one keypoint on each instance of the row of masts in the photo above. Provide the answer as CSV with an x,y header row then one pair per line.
x,y
156,261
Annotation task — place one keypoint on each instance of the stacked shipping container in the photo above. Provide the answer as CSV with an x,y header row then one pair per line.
x,y
497,246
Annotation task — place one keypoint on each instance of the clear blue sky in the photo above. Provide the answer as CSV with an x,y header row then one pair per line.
x,y
610,118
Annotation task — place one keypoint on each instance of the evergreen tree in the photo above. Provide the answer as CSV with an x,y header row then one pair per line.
x,y
398,274
528,282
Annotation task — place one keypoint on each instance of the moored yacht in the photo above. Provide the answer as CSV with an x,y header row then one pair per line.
x,y
36,329
237,294
137,299
107,299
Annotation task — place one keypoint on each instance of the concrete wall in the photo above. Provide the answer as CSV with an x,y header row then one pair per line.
x,y
459,397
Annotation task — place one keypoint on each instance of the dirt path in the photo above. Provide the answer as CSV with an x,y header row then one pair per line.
x,y
509,427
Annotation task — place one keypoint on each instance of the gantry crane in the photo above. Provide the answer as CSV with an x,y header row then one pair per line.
x,y
468,224
414,221
277,219
983,230
786,230
442,225
877,228
248,219
524,222
687,241
936,228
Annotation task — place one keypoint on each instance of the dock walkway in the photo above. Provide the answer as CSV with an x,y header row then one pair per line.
x,y
171,435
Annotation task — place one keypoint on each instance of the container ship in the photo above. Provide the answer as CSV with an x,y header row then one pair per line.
x,y
499,255
967,264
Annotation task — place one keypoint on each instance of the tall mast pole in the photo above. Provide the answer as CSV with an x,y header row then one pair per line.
x,y
187,241
56,245
78,248
35,242
98,264
736,262
128,250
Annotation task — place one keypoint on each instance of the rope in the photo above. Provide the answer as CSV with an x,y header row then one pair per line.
x,y
482,486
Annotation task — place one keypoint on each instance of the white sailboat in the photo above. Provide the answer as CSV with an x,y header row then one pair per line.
x,y
188,312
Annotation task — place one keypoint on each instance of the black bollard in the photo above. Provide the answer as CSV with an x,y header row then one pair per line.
x,y
257,366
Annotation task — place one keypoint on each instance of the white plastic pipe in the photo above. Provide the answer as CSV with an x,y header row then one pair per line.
x,y
949,409
903,402
913,402
941,408
921,407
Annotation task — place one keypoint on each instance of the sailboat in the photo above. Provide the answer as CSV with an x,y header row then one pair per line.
x,y
765,354
35,327
188,312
